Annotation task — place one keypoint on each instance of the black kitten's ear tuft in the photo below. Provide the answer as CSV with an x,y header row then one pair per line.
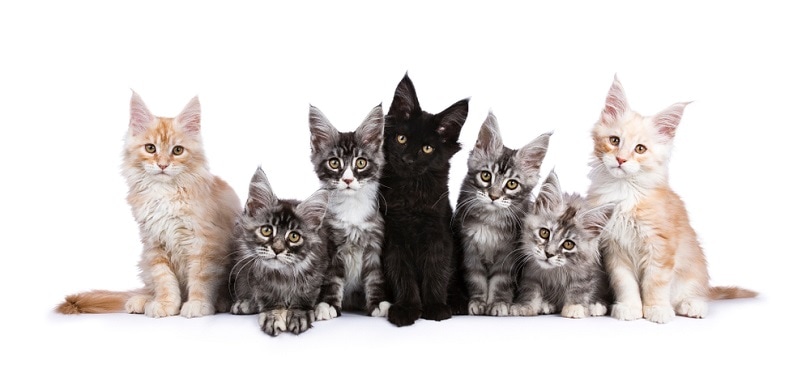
x,y
405,104
450,120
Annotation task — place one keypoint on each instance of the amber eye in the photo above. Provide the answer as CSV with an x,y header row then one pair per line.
x,y
544,233
614,140
150,148
511,184
361,163
402,139
568,245
294,237
640,149
178,150
266,231
334,163
486,176
427,149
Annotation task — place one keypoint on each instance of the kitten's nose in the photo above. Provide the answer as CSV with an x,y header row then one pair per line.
x,y
549,255
163,166
620,160
494,196
348,181
278,246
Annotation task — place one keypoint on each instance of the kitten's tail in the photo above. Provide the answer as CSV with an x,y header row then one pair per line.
x,y
96,302
730,292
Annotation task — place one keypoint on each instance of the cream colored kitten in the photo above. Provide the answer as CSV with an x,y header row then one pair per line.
x,y
186,217
656,265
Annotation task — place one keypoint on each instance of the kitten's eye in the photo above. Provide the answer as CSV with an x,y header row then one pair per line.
x,y
150,148
486,176
178,150
334,163
266,231
427,149
361,163
614,140
402,139
294,237
640,149
568,245
544,233
511,184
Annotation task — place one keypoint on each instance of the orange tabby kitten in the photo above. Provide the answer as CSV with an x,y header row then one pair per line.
x,y
651,253
185,215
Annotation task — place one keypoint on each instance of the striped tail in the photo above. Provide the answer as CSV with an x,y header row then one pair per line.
x,y
730,292
95,302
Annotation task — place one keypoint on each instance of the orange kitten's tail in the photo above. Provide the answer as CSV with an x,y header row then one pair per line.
x,y
95,302
730,292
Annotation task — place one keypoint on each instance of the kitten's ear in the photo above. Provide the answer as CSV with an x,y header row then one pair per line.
x,y
489,137
189,117
615,103
322,133
530,157
668,119
550,196
405,104
260,195
450,120
140,118
313,209
594,220
370,132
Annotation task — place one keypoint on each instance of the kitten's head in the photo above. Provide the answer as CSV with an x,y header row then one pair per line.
x,y
626,143
162,148
498,176
562,229
279,234
346,162
417,141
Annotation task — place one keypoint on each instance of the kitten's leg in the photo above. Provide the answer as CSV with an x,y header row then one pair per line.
x,y
167,299
273,322
656,283
205,274
528,301
475,276
300,319
690,288
331,295
407,306
500,293
578,297
625,286
373,282
435,279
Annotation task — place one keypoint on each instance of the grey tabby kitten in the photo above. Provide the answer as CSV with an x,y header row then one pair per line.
x,y
280,258
493,199
349,165
563,270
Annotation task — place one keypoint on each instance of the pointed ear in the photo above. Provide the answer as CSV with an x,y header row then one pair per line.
x,y
140,118
668,119
615,103
260,195
450,120
550,196
370,132
530,157
489,137
322,133
594,220
405,104
313,209
189,117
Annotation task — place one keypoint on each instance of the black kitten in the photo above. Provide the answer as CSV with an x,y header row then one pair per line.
x,y
418,253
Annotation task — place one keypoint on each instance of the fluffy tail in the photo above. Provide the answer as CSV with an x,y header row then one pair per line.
x,y
95,302
730,292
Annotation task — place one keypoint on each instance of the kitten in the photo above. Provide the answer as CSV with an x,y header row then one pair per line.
x,y
562,267
494,196
349,165
418,251
280,256
655,263
185,215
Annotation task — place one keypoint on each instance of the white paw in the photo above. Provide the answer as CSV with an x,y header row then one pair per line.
x,y
273,322
194,309
477,307
242,307
155,309
547,308
499,309
659,314
622,311
382,310
693,308
325,311
521,310
597,309
136,304
576,311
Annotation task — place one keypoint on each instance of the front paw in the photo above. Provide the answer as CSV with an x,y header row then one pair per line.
x,y
299,321
477,307
575,311
403,315
622,311
137,304
325,311
437,312
499,309
156,309
243,307
659,314
194,309
381,310
521,310
273,322
693,308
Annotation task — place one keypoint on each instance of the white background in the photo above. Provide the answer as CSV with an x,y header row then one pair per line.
x,y
67,69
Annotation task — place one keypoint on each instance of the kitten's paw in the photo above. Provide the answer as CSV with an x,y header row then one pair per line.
x,y
381,310
273,322
437,312
325,311
575,311
499,309
521,310
194,309
243,307
693,308
477,307
659,314
299,321
547,308
156,309
597,309
137,304
622,311
403,315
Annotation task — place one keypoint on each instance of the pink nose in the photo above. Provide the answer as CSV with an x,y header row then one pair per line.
x,y
620,160
162,166
348,181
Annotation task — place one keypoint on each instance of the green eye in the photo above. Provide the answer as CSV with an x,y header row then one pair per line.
x,y
266,231
334,163
402,139
544,233
614,140
486,176
361,163
294,237
178,150
640,149
150,148
568,245
427,149
511,184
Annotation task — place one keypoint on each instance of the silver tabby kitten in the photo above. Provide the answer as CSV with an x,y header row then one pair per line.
x,y
280,258
493,199
562,269
349,165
